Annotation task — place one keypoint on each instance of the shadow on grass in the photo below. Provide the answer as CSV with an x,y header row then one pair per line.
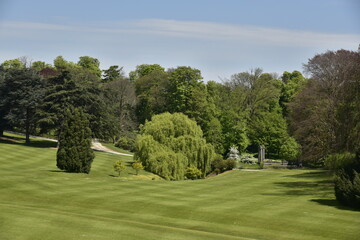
x,y
322,174
56,171
33,143
318,184
310,183
334,203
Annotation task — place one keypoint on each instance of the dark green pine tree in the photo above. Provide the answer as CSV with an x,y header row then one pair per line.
x,y
74,153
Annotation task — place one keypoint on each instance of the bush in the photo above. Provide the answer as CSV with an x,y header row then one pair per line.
x,y
248,159
347,188
126,143
220,165
193,173
137,166
230,164
119,167
340,160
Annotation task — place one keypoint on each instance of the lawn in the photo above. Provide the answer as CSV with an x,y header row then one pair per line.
x,y
39,202
116,149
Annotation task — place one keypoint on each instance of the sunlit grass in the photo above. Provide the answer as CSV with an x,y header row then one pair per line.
x,y
37,201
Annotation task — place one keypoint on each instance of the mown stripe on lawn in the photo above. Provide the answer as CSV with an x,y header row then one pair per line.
x,y
88,216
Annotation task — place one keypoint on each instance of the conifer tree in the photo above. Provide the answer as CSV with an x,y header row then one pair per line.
x,y
74,153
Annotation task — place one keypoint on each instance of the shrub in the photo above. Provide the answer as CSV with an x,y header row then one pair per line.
x,y
233,153
289,150
126,143
119,167
230,164
137,166
347,188
248,159
339,160
193,173
220,165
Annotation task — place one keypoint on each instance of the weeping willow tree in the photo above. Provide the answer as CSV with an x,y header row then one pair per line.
x,y
171,143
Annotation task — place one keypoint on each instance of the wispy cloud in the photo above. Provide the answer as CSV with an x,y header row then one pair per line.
x,y
199,30
216,49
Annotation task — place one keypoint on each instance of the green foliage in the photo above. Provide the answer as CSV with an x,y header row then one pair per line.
x,y
193,173
22,92
39,65
74,152
113,73
151,90
289,150
143,70
337,161
119,103
126,143
347,188
91,64
220,165
324,116
292,84
170,143
183,81
13,64
214,135
62,65
78,88
270,130
119,167
137,166
235,130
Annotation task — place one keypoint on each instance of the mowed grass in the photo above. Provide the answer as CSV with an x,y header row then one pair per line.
x,y
39,202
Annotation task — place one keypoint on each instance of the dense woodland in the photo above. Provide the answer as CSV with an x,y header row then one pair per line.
x,y
311,121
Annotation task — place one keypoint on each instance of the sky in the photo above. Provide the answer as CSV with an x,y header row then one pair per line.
x,y
218,37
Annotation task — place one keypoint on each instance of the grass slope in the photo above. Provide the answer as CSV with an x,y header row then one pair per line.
x,y
39,202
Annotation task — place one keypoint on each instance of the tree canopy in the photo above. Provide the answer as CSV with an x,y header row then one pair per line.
x,y
170,143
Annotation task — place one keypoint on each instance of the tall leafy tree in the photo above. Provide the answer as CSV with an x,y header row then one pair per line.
x,y
91,64
40,65
74,88
325,115
13,64
143,70
120,102
292,84
152,93
113,73
22,93
183,81
74,152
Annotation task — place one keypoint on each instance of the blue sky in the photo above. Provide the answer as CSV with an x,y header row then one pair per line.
x,y
219,37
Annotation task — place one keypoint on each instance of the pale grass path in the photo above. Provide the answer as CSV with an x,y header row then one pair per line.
x,y
95,144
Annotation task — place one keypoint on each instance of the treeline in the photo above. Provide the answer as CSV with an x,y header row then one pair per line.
x,y
296,119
